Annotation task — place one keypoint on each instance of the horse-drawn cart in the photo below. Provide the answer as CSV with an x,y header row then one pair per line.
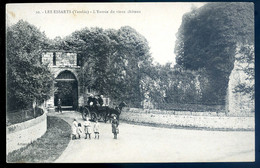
x,y
101,113
95,112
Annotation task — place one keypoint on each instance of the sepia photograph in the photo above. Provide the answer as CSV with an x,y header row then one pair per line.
x,y
164,82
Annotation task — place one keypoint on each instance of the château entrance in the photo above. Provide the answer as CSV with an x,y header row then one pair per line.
x,y
66,89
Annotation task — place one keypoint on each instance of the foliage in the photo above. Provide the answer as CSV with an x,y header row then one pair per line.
x,y
27,78
113,61
246,59
207,39
167,85
118,63
22,115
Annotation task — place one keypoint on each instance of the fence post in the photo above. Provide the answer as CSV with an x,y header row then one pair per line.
x,y
25,114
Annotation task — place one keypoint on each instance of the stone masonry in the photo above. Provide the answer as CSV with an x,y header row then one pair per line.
x,y
59,61
238,102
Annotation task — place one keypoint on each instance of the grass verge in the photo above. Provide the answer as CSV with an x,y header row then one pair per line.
x,y
46,148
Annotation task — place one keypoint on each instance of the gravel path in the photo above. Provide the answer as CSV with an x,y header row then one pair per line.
x,y
138,143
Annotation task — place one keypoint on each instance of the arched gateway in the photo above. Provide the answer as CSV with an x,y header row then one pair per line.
x,y
64,65
66,89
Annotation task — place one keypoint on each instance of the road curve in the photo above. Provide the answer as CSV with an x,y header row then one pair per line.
x,y
138,143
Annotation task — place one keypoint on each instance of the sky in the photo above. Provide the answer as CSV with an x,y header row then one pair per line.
x,y
157,22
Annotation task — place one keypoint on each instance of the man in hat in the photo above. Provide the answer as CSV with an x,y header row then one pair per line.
x,y
90,99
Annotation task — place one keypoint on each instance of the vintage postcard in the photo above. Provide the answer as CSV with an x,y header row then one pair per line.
x,y
130,82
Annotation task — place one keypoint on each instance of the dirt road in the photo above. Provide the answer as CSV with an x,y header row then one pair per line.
x,y
137,143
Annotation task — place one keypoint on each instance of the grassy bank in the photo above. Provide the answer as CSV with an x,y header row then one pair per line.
x,y
47,148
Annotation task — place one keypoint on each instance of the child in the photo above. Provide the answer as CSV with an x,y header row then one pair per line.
x,y
80,131
74,129
96,129
87,125
115,129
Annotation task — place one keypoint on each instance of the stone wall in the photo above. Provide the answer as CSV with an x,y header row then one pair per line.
x,y
217,122
238,102
21,134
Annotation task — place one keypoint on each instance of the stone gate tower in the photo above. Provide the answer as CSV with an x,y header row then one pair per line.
x,y
64,65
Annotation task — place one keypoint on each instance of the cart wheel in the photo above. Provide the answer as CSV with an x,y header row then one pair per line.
x,y
85,113
103,116
99,116
106,117
93,116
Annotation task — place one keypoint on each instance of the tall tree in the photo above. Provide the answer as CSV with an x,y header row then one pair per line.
x,y
27,78
208,38
113,61
136,55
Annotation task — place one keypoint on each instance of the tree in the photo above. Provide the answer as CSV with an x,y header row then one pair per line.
x,y
166,85
27,78
207,38
246,60
135,53
113,61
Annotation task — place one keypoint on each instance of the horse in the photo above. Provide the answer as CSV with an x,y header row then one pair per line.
x,y
116,111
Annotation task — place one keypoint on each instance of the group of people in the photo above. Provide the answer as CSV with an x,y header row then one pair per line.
x,y
78,131
94,101
85,130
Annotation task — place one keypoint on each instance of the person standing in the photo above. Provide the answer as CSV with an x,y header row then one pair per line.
x,y
80,131
87,126
74,129
96,129
59,106
115,129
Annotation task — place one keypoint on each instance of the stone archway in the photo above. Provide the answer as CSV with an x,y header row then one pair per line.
x,y
66,88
